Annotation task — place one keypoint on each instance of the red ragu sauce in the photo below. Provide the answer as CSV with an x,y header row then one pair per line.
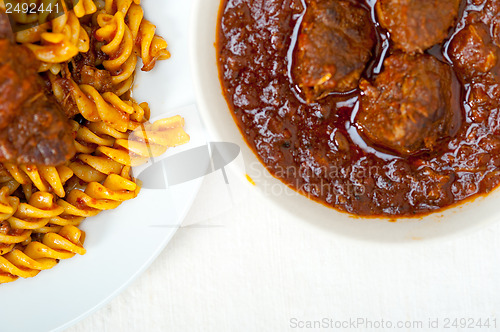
x,y
317,148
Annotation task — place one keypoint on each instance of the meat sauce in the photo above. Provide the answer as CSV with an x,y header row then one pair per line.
x,y
318,149
33,128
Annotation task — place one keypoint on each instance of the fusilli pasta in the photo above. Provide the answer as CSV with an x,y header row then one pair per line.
x,y
88,57
41,255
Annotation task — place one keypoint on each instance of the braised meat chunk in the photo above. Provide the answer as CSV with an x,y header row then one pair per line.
x,y
33,128
334,46
84,70
17,65
490,14
416,25
39,135
409,106
474,53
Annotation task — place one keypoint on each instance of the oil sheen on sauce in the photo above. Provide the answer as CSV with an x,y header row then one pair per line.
x,y
316,149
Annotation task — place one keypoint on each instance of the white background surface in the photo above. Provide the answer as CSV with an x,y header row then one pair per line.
x,y
251,267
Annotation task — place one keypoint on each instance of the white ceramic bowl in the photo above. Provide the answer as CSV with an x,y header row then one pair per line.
x,y
220,124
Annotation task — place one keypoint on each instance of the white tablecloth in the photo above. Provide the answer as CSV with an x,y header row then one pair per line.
x,y
257,271
251,268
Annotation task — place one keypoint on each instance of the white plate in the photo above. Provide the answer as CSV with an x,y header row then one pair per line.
x,y
121,243
219,123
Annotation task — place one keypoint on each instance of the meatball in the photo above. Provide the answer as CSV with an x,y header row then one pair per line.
x,y
335,43
18,66
40,134
408,108
474,54
33,128
416,25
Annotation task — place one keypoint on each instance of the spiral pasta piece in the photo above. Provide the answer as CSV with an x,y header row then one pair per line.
x,y
112,6
8,206
6,180
98,45
98,197
54,48
44,255
119,46
44,178
19,220
107,169
127,35
150,140
108,107
36,215
152,47
84,7
69,25
57,40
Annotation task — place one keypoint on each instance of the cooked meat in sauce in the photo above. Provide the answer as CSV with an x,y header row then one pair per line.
x,y
416,25
17,65
84,70
33,128
490,15
334,47
474,53
408,108
39,135
433,112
